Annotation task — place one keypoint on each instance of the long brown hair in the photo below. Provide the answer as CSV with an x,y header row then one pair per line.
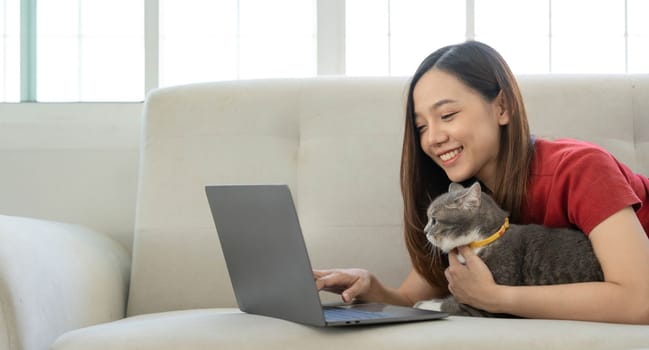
x,y
482,69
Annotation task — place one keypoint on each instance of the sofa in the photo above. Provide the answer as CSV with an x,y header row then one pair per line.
x,y
336,142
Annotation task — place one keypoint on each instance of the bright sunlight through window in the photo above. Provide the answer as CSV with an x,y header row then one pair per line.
x,y
236,39
90,50
94,50
392,37
9,50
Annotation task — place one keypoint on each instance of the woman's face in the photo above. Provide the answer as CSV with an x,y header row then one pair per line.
x,y
459,129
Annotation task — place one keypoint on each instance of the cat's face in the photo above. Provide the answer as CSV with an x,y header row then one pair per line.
x,y
450,222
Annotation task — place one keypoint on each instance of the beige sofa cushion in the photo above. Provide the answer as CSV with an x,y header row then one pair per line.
x,y
55,277
230,329
336,145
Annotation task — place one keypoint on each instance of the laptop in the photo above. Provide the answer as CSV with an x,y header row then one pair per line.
x,y
269,266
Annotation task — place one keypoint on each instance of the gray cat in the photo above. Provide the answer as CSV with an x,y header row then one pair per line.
x,y
515,254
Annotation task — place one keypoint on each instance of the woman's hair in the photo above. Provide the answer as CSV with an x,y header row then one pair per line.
x,y
482,69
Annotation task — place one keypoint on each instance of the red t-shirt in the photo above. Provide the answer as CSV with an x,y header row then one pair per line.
x,y
578,184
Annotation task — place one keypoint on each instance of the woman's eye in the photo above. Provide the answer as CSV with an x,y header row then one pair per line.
x,y
421,128
449,115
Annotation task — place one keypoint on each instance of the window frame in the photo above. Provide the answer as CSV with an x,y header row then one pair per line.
x,y
330,42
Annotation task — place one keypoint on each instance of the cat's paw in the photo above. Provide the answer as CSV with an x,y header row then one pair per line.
x,y
451,307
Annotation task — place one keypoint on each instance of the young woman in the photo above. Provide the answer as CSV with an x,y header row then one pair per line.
x,y
465,121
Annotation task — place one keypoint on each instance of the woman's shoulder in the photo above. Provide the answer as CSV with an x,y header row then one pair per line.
x,y
565,146
584,180
565,151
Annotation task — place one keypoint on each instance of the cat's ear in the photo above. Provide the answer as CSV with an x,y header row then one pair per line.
x,y
454,186
473,196
476,187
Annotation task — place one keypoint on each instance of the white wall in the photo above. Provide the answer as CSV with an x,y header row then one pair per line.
x,y
72,162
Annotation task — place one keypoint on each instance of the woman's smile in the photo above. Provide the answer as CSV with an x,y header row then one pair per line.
x,y
450,156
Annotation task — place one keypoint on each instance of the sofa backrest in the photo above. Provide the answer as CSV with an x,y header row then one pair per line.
x,y
337,143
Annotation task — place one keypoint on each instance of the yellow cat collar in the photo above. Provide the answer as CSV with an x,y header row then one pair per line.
x,y
495,236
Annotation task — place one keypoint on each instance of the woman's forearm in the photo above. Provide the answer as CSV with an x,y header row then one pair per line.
x,y
381,293
592,301
413,289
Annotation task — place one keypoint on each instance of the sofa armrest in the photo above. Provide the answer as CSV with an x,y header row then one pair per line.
x,y
55,277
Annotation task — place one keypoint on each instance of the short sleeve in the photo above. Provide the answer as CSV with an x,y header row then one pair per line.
x,y
594,187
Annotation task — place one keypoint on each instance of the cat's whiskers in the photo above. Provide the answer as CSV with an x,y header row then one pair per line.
x,y
434,253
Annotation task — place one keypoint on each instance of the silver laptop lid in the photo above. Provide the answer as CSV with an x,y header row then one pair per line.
x,y
265,252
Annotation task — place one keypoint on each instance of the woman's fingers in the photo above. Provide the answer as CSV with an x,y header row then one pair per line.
x,y
349,283
332,280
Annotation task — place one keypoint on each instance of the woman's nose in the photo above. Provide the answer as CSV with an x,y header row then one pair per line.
x,y
435,136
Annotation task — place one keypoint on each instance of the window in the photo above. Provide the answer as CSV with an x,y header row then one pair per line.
x,y
204,40
586,45
522,39
638,36
90,50
98,50
392,37
9,50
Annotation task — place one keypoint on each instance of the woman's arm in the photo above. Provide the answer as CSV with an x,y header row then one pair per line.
x,y
622,248
361,285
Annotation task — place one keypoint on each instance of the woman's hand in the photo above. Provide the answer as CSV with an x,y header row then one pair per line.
x,y
349,283
471,282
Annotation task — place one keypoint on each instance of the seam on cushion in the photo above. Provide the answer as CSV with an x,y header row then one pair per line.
x,y
299,116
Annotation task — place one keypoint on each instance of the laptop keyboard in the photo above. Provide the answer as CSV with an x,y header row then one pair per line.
x,y
343,314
